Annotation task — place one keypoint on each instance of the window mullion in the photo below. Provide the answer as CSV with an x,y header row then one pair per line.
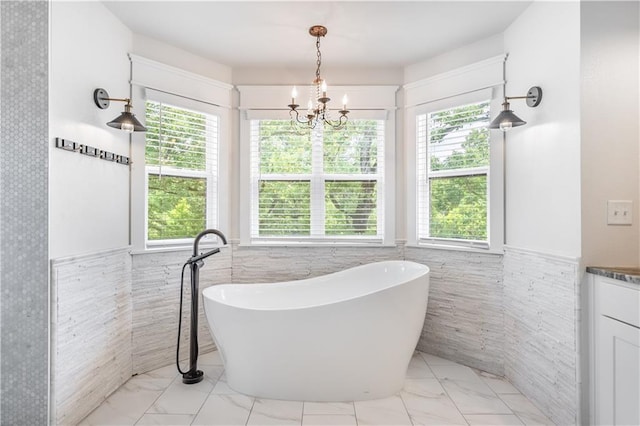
x,y
317,183
255,178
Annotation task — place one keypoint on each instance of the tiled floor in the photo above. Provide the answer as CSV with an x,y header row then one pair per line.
x,y
436,392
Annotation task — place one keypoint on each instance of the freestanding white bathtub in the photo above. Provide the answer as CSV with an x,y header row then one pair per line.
x,y
345,336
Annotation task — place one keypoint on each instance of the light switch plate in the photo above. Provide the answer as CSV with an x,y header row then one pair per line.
x,y
619,212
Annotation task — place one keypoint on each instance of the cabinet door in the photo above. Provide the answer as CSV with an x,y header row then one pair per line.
x,y
618,373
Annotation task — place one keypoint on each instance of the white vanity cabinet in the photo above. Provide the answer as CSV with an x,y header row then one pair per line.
x,y
616,351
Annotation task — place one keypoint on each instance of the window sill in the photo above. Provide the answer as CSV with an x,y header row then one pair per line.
x,y
175,248
315,244
454,247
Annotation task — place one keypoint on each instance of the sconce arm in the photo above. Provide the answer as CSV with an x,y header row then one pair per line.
x,y
101,98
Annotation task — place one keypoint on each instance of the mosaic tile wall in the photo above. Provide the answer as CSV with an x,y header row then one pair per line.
x,y
23,213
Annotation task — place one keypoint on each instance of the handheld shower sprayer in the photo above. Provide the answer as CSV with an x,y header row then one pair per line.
x,y
195,262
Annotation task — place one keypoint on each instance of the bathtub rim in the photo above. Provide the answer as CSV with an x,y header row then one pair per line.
x,y
207,292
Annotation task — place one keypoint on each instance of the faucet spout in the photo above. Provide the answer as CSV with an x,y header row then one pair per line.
x,y
196,242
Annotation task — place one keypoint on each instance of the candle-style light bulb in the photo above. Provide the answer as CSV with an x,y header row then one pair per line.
x,y
324,89
294,94
309,106
344,102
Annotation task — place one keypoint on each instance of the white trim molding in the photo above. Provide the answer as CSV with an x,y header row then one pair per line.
x,y
278,97
166,78
479,75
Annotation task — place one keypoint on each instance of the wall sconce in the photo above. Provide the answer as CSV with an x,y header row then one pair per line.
x,y
507,119
126,121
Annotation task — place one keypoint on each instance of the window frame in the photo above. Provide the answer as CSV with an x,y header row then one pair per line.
x,y
425,175
477,82
317,179
211,173
369,102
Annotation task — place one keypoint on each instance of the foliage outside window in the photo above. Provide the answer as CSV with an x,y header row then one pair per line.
x,y
181,168
324,184
453,169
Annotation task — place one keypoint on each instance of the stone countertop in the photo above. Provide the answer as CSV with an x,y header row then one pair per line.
x,y
629,275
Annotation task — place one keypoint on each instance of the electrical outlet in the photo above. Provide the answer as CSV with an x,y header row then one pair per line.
x,y
619,212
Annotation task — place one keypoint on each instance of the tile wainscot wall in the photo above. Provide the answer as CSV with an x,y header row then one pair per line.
x,y
155,298
514,317
91,331
542,311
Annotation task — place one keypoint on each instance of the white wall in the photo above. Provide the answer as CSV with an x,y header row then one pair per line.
x,y
543,157
89,197
610,42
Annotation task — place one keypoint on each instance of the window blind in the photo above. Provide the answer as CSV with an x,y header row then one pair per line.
x,y
322,184
181,156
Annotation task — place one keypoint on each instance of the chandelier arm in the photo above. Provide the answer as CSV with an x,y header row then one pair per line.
x,y
297,117
336,124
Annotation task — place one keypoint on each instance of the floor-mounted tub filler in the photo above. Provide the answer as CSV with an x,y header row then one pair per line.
x,y
345,336
195,262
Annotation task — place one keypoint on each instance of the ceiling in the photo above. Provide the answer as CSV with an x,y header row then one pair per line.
x,y
360,33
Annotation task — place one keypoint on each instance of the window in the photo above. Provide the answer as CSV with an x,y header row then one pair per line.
x,y
323,185
181,157
453,154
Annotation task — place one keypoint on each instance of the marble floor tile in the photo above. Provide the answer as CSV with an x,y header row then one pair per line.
x,y
164,374
418,368
180,398
333,408
428,403
436,392
274,412
222,387
328,420
497,384
493,419
523,408
126,405
165,419
225,410
387,411
456,372
470,399
435,360
210,358
467,390
211,372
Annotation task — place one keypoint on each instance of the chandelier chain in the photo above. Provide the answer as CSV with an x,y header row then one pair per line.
x,y
319,60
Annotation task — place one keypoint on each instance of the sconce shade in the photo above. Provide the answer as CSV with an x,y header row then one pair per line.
x,y
127,122
507,119
504,118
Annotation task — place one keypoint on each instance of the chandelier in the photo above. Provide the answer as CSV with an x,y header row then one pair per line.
x,y
318,112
